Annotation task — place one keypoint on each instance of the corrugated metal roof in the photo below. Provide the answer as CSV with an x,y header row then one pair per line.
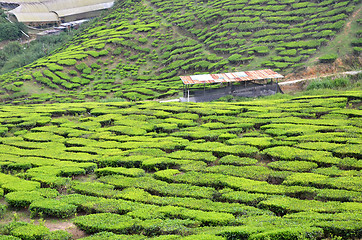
x,y
20,1
34,12
70,7
231,77
83,9
51,10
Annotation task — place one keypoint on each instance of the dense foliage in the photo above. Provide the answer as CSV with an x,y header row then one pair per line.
x,y
138,50
9,30
14,55
265,169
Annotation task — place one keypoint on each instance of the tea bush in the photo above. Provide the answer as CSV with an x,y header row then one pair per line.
x,y
282,166
22,199
30,231
52,207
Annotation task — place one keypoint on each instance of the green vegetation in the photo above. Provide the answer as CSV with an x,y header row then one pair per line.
x,y
285,168
102,156
137,50
8,30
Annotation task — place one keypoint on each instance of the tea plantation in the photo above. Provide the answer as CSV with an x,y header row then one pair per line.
x,y
137,50
263,169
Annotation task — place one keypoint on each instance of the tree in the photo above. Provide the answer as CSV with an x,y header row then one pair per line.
x,y
13,48
9,31
3,58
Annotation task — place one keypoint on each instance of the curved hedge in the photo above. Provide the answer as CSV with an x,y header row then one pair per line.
x,y
52,207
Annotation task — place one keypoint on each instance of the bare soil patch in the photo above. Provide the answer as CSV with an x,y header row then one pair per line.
x,y
66,226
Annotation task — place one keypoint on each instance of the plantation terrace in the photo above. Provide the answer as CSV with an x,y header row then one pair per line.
x,y
86,148
255,83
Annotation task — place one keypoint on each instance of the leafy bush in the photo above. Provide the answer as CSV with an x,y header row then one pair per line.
x,y
235,58
58,235
329,58
237,161
328,83
131,172
338,195
244,197
30,232
22,199
21,185
7,237
94,188
345,229
93,223
295,166
290,233
9,31
67,62
52,207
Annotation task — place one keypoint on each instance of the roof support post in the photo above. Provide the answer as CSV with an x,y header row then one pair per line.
x,y
188,94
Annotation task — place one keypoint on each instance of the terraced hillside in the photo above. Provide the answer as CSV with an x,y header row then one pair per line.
x,y
137,50
266,169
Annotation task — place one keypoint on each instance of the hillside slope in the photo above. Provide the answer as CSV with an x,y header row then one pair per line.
x,y
138,49
266,169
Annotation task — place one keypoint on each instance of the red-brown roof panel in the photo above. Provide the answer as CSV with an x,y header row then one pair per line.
x,y
231,77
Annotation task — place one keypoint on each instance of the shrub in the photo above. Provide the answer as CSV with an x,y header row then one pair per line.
x,y
244,197
131,172
58,235
237,161
7,237
289,234
203,237
235,58
290,52
53,208
328,83
111,222
67,62
328,58
338,195
22,199
94,189
244,150
295,166
166,175
290,154
54,67
30,232
252,172
260,142
345,229
21,185
200,156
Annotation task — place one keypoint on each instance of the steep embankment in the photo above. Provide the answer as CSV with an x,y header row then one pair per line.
x,y
138,49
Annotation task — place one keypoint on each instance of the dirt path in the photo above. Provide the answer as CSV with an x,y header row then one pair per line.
x,y
67,226
299,84
3,44
347,28
321,76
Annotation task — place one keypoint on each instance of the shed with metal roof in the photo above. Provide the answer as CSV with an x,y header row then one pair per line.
x,y
255,83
